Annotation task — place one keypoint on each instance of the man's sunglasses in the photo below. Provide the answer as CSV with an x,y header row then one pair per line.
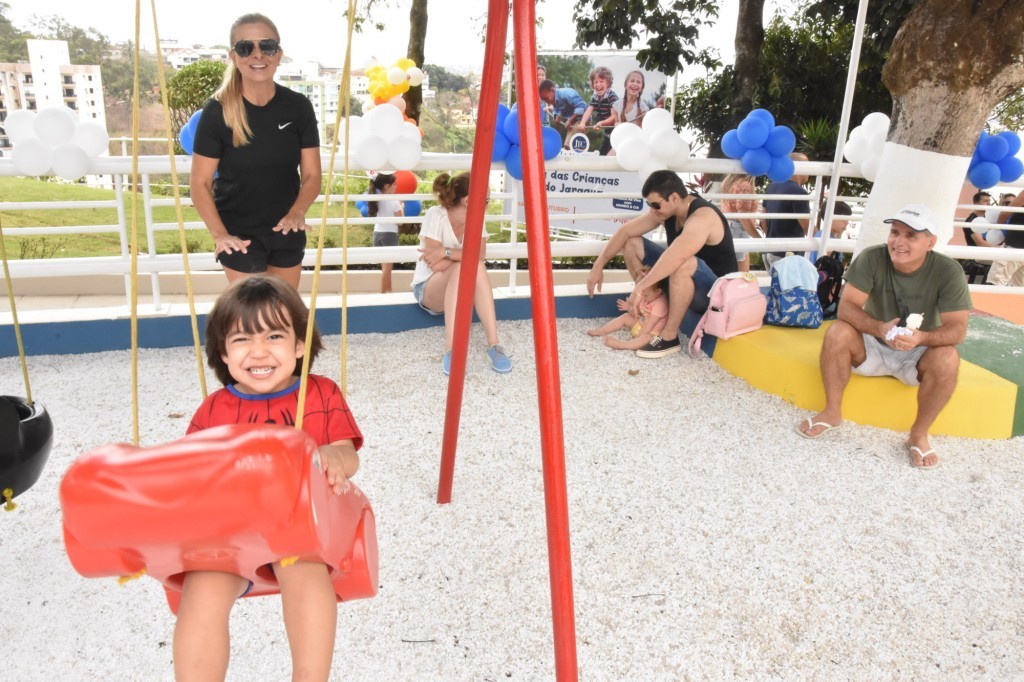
x,y
268,46
656,205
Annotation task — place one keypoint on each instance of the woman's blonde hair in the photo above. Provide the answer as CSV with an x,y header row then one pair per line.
x,y
229,94
450,190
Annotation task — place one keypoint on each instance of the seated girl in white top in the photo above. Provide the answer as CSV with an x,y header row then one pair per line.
x,y
435,283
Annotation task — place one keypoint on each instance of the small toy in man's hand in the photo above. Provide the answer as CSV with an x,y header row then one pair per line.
x,y
913,322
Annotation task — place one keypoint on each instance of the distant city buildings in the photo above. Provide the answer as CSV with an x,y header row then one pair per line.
x,y
50,79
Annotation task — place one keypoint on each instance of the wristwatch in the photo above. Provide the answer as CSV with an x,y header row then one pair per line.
x,y
448,254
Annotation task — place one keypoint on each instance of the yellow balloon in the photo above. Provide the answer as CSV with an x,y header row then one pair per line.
x,y
375,72
405,63
403,86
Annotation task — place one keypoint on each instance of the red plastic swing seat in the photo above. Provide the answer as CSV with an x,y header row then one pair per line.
x,y
232,498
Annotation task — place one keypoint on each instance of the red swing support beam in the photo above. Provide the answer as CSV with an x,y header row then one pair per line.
x,y
542,303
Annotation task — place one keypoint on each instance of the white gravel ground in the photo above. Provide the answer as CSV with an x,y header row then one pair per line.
x,y
709,540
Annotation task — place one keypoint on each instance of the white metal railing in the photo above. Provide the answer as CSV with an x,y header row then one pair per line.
x,y
579,244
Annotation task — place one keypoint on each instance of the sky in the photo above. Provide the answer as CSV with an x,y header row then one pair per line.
x,y
318,32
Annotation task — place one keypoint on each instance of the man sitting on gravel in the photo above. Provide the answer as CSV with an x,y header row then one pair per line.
x,y
885,285
699,251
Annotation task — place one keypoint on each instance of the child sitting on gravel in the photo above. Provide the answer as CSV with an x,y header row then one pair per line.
x,y
653,313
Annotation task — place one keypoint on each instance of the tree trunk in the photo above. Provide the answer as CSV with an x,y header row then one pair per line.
x,y
951,63
417,40
748,43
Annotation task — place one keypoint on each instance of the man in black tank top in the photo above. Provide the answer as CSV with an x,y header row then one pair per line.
x,y
699,251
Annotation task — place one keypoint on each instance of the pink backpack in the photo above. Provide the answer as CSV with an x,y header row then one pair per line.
x,y
736,306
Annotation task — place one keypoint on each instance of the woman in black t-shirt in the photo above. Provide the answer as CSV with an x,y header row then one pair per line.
x,y
250,139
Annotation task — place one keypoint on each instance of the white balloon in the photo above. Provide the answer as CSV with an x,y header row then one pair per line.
x,y
994,237
667,146
855,147
633,153
876,141
623,132
991,216
31,157
655,120
91,137
371,152
356,127
384,121
56,125
396,76
415,75
399,102
410,129
869,168
650,167
69,161
876,122
404,152
20,125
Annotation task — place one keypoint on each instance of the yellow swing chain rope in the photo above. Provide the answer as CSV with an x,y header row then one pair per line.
x,y
344,104
134,241
14,315
162,79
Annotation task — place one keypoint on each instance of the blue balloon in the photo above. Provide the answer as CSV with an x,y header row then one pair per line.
x,y
781,141
1012,142
186,138
992,148
514,162
501,145
731,145
364,208
503,112
984,175
552,143
510,126
781,169
752,133
413,207
757,161
764,115
1010,168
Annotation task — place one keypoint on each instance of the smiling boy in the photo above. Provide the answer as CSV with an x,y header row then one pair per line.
x,y
884,285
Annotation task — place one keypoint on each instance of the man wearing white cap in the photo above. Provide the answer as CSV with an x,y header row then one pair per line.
x,y
885,285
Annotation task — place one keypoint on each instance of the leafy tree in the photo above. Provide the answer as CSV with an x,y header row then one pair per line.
x,y
1010,112
673,27
801,77
85,45
567,71
441,132
444,80
189,89
119,77
13,47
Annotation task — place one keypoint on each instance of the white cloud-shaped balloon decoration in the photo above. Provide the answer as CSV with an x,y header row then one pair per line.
x,y
383,139
54,141
864,148
651,146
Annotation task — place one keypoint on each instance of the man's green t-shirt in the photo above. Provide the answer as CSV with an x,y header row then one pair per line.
x,y
938,286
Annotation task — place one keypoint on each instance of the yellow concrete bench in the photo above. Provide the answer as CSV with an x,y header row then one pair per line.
x,y
784,361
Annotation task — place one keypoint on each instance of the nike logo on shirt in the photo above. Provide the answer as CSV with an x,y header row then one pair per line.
x,y
282,126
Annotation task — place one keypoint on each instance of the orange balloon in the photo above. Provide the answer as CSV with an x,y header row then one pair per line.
x,y
406,182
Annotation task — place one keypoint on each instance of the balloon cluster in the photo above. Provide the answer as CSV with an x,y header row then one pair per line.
x,y
762,147
384,138
864,148
187,134
506,142
995,160
54,140
389,82
405,183
650,146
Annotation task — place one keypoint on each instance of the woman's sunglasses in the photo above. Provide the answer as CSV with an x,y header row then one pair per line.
x,y
268,46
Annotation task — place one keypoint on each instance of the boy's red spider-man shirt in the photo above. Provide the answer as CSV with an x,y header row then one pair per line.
x,y
327,418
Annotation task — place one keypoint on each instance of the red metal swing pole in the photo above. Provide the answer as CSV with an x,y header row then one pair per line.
x,y
483,143
545,339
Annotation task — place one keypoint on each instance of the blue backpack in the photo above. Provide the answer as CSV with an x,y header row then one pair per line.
x,y
793,297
